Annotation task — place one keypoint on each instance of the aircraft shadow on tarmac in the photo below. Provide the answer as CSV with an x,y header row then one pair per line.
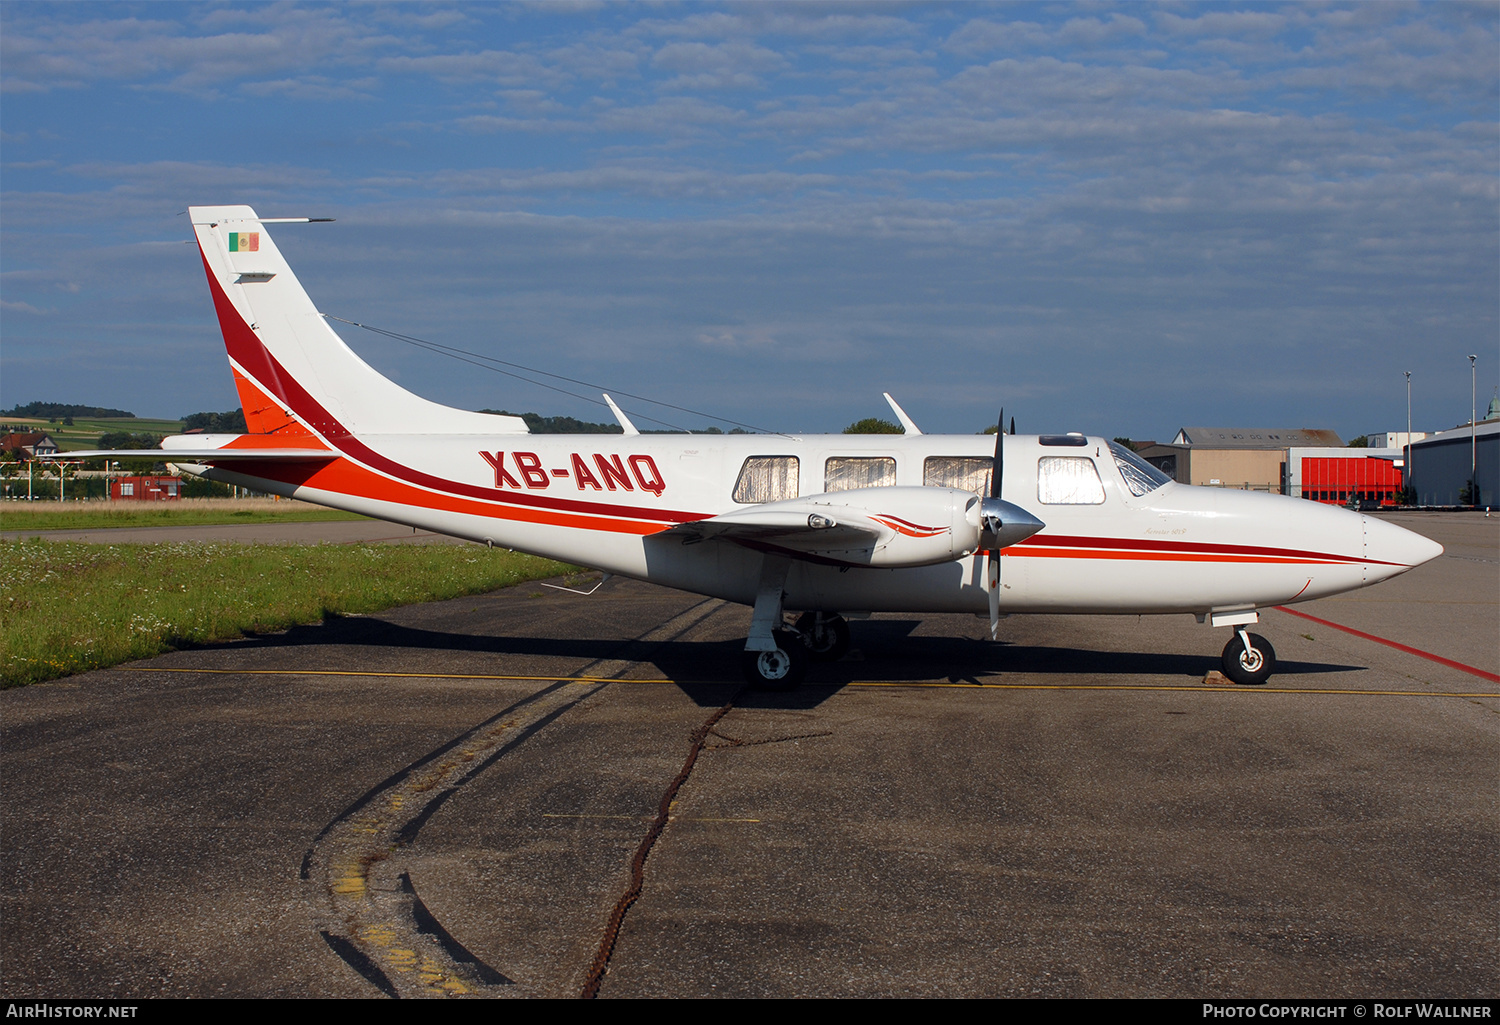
x,y
884,652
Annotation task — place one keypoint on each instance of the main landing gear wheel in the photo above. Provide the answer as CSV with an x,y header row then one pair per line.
x,y
781,669
1249,667
825,636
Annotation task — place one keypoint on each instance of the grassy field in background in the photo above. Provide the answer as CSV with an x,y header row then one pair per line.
x,y
85,430
67,607
186,512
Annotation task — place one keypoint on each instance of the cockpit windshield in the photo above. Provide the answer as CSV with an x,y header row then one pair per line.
x,y
1140,476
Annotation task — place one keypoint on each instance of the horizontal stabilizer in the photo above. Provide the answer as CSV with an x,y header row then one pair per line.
x,y
217,448
204,455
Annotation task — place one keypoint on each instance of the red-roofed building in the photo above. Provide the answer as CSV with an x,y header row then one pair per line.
x,y
28,446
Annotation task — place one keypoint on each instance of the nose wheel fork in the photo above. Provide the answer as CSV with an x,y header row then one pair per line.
x,y
1248,659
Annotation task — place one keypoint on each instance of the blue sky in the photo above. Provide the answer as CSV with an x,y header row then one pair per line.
x,y
1110,218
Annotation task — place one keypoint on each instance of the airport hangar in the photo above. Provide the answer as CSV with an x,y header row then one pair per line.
x,y
1441,463
1316,465
1298,461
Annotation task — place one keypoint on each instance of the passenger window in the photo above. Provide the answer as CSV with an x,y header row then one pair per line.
x,y
766,479
962,472
1068,480
845,473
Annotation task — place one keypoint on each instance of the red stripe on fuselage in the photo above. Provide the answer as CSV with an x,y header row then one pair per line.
x,y
1146,548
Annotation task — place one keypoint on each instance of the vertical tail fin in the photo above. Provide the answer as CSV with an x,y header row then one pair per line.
x,y
293,372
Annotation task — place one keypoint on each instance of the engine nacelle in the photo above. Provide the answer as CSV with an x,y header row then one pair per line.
x,y
888,527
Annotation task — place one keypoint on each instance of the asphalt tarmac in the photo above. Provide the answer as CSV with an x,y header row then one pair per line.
x,y
450,799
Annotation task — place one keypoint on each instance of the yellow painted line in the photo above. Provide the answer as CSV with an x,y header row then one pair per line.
x,y
393,676
1200,688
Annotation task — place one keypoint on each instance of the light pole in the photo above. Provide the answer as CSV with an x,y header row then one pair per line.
x,y
1473,450
1410,449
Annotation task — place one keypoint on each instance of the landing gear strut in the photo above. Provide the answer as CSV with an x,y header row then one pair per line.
x,y
775,658
1248,658
825,635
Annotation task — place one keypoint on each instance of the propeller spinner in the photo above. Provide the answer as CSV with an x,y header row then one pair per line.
x,y
1004,524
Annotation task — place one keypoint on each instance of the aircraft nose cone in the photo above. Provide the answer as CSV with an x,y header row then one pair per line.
x,y
1390,549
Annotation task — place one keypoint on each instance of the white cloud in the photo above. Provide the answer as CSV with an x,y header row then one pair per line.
x,y
18,307
721,66
1232,24
44,54
513,70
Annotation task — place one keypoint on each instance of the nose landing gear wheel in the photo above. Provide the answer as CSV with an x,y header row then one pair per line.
x,y
781,669
1249,667
826,641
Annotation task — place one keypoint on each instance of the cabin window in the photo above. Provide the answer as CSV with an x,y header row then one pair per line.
x,y
845,473
966,473
1140,476
766,479
1068,480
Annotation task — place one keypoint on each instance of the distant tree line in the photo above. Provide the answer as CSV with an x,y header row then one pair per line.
x,y
873,425
125,439
230,421
538,424
55,410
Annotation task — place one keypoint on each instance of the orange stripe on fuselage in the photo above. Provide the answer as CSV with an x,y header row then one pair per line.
x,y
344,477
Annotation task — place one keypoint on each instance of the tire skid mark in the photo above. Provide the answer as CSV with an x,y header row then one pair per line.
x,y
363,902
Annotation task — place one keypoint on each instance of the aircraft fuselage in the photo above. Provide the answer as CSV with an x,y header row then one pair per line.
x,y
608,502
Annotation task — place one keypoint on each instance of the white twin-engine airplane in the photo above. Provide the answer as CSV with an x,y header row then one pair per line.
x,y
831,526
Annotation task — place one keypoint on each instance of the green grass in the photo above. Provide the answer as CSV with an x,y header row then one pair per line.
x,y
66,607
85,430
187,512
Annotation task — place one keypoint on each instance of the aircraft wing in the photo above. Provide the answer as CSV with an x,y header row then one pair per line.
x,y
876,527
797,527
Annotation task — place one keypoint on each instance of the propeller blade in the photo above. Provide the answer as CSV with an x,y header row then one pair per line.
x,y
1004,524
997,474
993,572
